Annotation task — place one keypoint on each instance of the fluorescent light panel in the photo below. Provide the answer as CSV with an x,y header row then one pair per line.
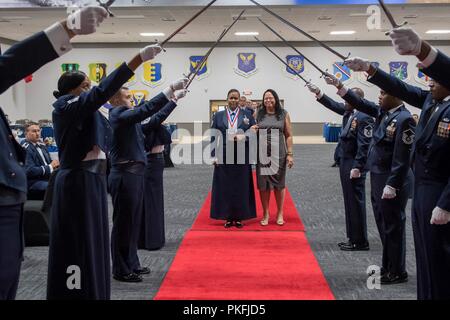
x,y
338,33
152,34
438,31
246,33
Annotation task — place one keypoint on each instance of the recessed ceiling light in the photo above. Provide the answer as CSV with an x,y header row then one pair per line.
x,y
168,19
246,33
438,31
338,33
411,16
152,34
324,18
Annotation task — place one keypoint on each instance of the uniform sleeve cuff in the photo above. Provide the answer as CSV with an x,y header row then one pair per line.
x,y
319,95
168,92
58,38
342,91
429,60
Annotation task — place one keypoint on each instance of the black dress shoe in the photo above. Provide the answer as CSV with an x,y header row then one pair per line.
x,y
143,270
348,243
334,165
228,224
390,278
132,277
238,224
355,247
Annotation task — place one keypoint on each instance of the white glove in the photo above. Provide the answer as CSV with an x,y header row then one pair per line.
x,y
355,174
313,88
389,192
149,52
331,79
180,94
440,216
179,84
86,20
406,41
358,64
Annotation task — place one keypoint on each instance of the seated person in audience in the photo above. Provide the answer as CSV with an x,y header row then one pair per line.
x,y
38,163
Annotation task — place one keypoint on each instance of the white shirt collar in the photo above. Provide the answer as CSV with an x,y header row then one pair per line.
x,y
447,98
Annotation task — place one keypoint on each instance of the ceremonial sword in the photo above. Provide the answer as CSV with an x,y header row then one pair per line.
x,y
284,62
390,16
292,47
106,6
187,23
301,31
205,58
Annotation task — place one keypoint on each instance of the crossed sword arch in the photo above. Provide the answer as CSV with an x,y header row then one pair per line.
x,y
191,76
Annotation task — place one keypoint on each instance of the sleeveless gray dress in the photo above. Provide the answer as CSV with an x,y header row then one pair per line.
x,y
271,166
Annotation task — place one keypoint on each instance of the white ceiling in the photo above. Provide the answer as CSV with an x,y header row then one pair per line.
x,y
17,24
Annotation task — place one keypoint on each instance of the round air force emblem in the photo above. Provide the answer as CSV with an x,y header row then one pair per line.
x,y
408,136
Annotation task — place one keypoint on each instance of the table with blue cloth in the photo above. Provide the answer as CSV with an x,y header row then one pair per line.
x,y
331,132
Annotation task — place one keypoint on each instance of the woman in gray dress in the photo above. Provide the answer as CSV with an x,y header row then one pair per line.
x,y
275,152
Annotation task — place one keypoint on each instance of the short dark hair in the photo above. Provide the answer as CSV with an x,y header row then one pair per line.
x,y
233,90
358,91
29,124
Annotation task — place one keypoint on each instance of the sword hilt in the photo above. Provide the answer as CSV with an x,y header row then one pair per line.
x,y
397,26
103,5
348,56
157,42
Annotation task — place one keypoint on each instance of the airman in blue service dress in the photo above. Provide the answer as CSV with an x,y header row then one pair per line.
x,y
354,144
126,184
38,168
389,165
152,235
17,62
79,227
233,195
431,152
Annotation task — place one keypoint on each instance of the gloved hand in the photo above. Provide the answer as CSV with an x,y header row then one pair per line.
x,y
86,20
179,84
355,174
440,216
406,41
358,64
150,52
179,94
313,88
389,192
331,79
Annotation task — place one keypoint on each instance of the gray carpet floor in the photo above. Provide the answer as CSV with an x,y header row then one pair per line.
x,y
316,191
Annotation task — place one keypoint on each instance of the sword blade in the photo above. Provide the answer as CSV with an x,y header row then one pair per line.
x,y
205,58
291,46
388,14
324,45
279,58
187,22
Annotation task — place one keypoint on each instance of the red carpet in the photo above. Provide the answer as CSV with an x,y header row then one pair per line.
x,y
244,266
214,263
292,220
